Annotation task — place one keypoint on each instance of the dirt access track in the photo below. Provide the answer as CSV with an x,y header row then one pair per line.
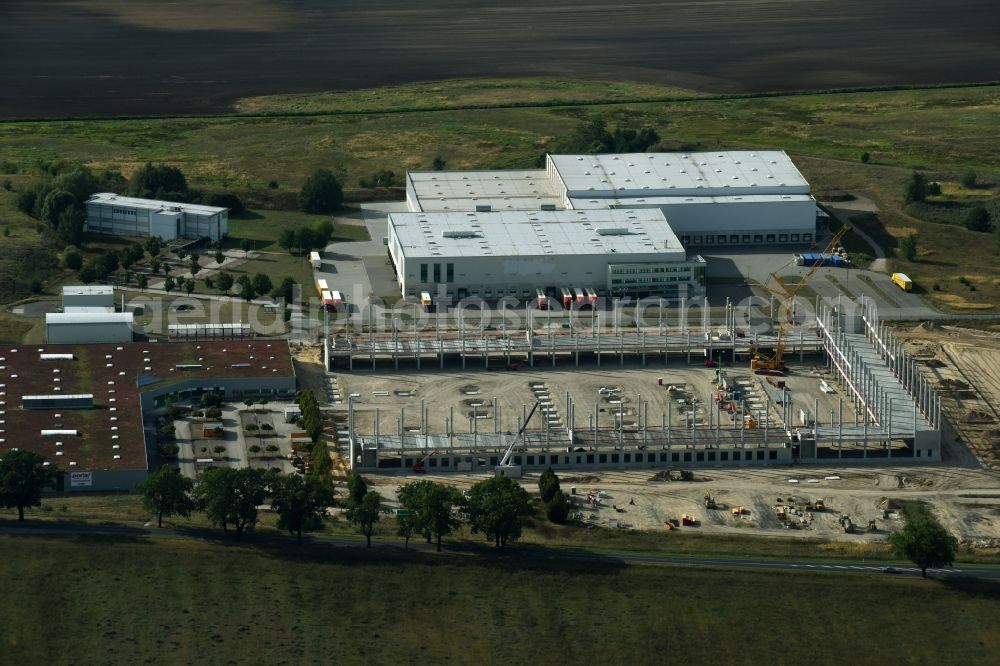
x,y
80,58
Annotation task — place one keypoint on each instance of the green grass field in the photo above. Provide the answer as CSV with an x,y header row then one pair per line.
x,y
136,600
264,226
471,124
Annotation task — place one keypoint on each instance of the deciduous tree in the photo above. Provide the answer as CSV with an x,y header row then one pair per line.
x,y
301,502
366,513
23,475
497,508
926,544
224,281
167,493
432,503
321,193
231,496
262,284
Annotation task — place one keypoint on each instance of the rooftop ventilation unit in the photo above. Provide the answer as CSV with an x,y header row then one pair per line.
x,y
483,208
56,357
459,233
613,231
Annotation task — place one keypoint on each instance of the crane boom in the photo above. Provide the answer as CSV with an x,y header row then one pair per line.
x,y
505,461
787,294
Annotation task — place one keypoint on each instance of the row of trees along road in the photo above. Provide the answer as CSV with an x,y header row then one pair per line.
x,y
496,507
231,497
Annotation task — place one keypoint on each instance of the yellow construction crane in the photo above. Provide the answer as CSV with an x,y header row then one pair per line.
x,y
787,293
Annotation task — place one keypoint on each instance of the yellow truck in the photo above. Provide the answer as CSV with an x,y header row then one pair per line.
x,y
902,281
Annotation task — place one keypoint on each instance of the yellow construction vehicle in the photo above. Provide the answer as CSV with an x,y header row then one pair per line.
x,y
787,293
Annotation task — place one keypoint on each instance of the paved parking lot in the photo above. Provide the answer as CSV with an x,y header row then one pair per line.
x,y
360,269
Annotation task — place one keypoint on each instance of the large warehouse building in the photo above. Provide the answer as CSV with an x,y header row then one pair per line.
x,y
708,199
499,233
109,213
82,407
515,253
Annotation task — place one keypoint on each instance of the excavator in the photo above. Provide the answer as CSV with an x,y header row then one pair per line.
x,y
786,294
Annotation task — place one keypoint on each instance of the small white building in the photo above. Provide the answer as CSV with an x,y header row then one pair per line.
x,y
109,213
88,296
88,327
496,254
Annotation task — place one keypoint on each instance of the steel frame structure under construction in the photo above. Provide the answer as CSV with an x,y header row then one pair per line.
x,y
892,413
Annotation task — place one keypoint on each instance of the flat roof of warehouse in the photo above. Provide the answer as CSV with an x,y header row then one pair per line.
x,y
153,204
89,316
585,203
111,373
88,290
464,190
534,233
695,173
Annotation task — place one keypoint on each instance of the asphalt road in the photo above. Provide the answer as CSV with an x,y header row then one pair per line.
x,y
841,566
80,58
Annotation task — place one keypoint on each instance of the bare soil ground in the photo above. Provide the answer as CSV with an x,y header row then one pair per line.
x,y
966,501
964,366
80,58
964,491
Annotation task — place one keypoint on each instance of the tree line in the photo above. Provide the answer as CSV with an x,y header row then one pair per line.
x,y
497,508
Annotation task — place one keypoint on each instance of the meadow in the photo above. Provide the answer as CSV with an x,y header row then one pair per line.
x,y
265,154
94,599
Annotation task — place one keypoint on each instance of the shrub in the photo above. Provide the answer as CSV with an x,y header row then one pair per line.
x,y
908,247
548,485
865,157
978,219
557,509
226,200
254,449
72,259
219,449
916,188
271,448
273,184
969,179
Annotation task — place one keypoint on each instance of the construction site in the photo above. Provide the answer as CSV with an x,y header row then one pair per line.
x,y
846,392
786,414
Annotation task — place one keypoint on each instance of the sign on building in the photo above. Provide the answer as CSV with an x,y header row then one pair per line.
x,y
81,479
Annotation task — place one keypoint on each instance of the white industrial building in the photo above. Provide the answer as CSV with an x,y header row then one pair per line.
x,y
109,213
88,296
734,198
514,253
88,326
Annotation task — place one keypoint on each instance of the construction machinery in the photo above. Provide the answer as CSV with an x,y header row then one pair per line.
x,y
506,468
786,294
819,505
418,466
710,502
